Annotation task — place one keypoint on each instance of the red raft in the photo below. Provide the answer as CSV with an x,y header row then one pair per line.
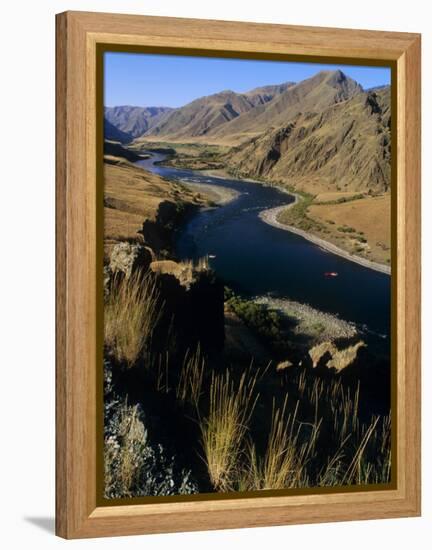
x,y
331,274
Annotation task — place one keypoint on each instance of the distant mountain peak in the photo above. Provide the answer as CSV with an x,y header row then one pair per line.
x,y
337,77
134,120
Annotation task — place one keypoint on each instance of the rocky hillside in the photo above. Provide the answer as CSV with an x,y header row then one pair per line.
x,y
138,202
202,116
134,121
312,95
112,133
345,147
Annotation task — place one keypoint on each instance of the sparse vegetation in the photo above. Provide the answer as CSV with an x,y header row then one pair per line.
x,y
297,214
223,431
346,229
284,463
322,444
342,200
191,378
368,218
130,314
265,322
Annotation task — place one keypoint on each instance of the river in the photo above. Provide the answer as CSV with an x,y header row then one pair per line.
x,y
255,258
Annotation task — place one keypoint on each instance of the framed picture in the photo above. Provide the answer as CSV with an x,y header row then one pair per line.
x,y
238,274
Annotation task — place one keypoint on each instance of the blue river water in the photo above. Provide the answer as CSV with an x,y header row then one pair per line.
x,y
255,258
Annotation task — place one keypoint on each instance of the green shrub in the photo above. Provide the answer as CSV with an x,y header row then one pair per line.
x,y
346,229
266,323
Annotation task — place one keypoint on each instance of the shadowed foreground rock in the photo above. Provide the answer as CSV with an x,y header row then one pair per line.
x,y
135,465
158,232
193,308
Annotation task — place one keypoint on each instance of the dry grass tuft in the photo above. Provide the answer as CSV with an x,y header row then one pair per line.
x,y
223,432
191,378
130,314
287,454
361,452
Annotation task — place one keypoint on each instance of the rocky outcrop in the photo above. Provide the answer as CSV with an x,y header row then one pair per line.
x,y
183,272
126,258
191,298
134,464
318,351
345,357
193,306
339,358
283,365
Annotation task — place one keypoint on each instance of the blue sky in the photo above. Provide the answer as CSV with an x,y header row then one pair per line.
x,y
173,81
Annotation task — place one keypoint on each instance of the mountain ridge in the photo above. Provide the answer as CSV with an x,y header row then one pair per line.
x,y
134,120
346,146
201,116
315,93
324,132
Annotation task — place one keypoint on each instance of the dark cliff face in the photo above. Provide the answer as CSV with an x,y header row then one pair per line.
x,y
191,299
159,233
117,150
113,133
192,307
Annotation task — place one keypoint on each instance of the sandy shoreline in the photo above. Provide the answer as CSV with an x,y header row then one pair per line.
x,y
216,193
225,195
270,217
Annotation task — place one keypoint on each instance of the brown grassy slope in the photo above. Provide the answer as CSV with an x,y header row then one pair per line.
x,y
369,217
203,115
311,95
133,195
345,147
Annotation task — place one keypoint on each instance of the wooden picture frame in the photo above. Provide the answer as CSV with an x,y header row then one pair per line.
x,y
79,35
